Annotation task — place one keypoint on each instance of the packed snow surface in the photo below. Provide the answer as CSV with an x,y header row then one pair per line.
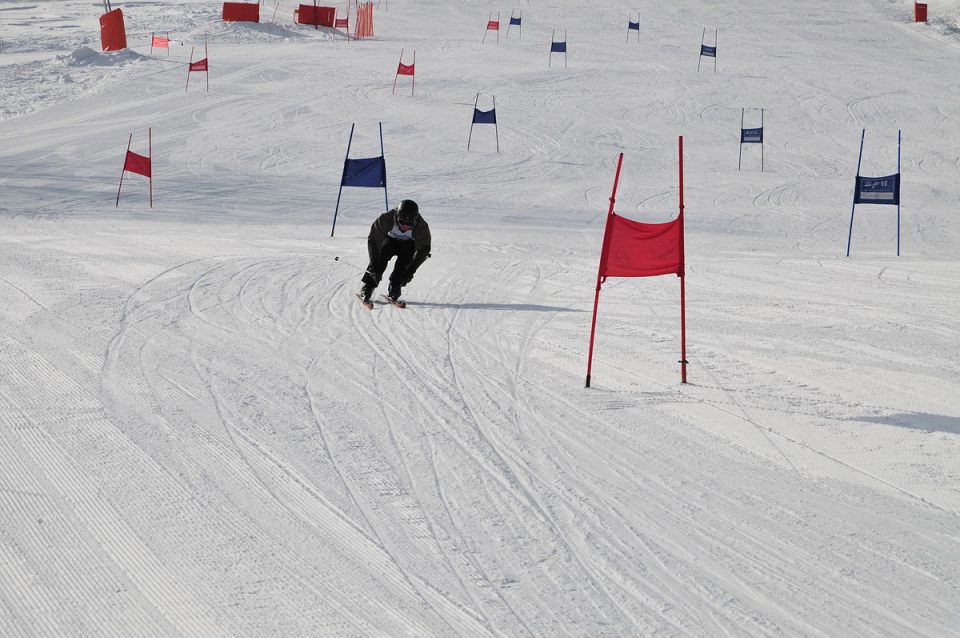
x,y
202,433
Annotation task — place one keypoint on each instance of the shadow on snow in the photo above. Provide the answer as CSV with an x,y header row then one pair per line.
x,y
918,421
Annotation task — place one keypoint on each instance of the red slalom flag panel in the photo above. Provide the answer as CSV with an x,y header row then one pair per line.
x,y
635,249
139,164
160,42
200,65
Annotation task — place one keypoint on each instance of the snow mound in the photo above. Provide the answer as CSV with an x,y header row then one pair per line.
x,y
85,56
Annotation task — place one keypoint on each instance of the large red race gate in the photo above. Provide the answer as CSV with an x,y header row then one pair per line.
x,y
113,35
241,12
317,16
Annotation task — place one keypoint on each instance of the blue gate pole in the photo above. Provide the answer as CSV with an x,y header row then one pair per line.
x,y
740,158
700,59
472,117
898,194
761,140
854,206
496,130
347,157
716,41
386,202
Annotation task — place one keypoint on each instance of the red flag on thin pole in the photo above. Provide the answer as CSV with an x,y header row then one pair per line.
x,y
343,23
139,164
492,25
406,69
200,66
635,249
159,42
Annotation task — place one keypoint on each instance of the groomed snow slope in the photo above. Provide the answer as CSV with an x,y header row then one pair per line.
x,y
202,433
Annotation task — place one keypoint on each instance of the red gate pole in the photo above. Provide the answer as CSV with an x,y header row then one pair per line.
x,y
395,75
683,291
150,154
124,171
189,64
603,252
206,56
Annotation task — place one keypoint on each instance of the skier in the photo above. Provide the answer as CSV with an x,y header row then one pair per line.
x,y
399,232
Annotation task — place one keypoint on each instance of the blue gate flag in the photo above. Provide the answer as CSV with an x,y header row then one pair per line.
x,y
558,47
369,172
877,190
710,52
515,21
484,117
635,26
751,135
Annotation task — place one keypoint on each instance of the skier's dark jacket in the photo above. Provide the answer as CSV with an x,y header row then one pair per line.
x,y
421,238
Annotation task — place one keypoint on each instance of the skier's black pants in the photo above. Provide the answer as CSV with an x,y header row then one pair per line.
x,y
380,256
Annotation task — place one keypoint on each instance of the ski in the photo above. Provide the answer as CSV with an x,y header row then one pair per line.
x,y
366,304
398,303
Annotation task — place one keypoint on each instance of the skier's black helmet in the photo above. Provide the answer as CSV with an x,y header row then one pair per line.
x,y
408,212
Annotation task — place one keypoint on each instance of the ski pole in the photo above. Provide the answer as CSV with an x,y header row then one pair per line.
x,y
354,266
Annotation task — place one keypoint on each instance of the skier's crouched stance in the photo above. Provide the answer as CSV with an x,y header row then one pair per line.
x,y
400,233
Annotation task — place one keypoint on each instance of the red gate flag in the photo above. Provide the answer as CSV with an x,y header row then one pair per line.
x,y
137,164
113,34
160,42
405,69
635,249
492,25
200,65
343,23
241,12
317,16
